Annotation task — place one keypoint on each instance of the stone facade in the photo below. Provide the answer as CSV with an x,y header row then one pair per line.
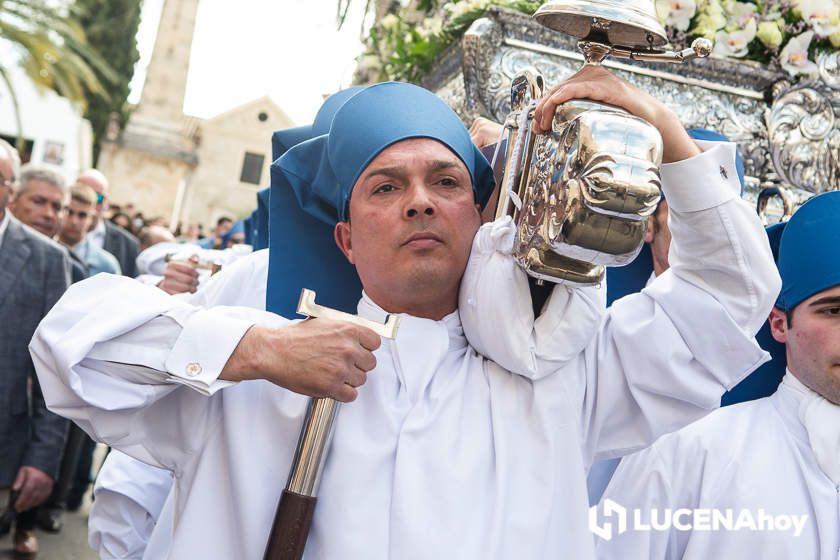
x,y
215,188
182,168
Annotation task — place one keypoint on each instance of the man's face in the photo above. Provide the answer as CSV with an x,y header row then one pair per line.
x,y
412,221
75,222
812,341
39,206
6,177
101,189
236,239
658,235
223,227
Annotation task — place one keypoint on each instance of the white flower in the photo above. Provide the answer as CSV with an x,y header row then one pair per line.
x,y
676,13
390,21
735,44
455,10
794,57
822,15
370,62
710,19
434,25
769,34
742,13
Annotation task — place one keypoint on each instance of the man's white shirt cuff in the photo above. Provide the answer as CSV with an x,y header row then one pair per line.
x,y
703,181
207,340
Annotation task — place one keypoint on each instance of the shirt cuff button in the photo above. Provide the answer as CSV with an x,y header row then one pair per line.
x,y
193,369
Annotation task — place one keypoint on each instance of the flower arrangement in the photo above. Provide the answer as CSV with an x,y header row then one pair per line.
x,y
787,33
405,44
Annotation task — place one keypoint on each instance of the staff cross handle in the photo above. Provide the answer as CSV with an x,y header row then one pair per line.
x,y
297,503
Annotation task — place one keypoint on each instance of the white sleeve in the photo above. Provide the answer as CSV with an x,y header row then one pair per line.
x,y
144,484
128,499
149,279
641,482
664,356
118,527
719,244
114,356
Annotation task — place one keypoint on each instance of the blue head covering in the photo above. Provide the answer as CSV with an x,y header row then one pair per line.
x,y
765,380
237,227
300,244
323,171
283,140
250,227
809,253
259,221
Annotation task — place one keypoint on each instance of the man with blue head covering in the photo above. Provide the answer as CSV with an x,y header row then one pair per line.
x,y
130,496
775,461
441,452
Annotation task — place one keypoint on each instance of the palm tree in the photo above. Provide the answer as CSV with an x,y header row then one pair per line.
x,y
52,50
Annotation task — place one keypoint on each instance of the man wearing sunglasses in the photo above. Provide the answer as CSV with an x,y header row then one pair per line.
x,y
103,233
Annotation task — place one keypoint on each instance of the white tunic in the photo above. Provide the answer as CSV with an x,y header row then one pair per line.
x,y
444,453
751,456
128,499
151,262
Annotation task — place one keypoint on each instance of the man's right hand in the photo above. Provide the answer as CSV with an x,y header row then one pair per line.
x,y
484,132
180,277
316,357
34,485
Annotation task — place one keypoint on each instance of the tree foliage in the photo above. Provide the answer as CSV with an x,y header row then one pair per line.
x,y
111,29
51,47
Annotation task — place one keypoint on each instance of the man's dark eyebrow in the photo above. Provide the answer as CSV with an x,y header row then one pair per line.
x,y
392,172
441,164
398,171
825,300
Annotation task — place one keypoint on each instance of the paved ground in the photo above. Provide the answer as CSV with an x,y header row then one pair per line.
x,y
71,542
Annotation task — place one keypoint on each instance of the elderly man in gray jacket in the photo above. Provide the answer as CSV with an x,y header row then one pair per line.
x,y
34,273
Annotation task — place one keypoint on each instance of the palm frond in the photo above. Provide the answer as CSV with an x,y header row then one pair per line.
x,y
4,75
53,50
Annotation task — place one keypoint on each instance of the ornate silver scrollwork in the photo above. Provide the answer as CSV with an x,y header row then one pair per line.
x,y
793,144
803,131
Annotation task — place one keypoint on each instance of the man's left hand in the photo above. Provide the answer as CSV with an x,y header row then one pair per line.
x,y
34,486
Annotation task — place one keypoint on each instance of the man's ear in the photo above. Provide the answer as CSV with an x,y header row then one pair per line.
x,y
778,325
650,228
342,239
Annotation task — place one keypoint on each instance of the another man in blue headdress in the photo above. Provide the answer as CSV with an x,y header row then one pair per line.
x,y
774,463
442,452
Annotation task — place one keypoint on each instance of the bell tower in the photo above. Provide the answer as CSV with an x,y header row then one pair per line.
x,y
166,77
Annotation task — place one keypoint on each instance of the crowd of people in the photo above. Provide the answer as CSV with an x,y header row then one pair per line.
x,y
479,430
75,234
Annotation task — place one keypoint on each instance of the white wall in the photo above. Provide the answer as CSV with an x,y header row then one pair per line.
x,y
47,119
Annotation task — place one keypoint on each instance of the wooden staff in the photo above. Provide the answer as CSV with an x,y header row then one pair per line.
x,y
297,503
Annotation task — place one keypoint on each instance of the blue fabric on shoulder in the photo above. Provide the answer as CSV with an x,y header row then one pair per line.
x,y
300,244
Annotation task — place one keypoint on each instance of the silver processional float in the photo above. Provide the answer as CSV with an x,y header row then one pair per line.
x,y
579,196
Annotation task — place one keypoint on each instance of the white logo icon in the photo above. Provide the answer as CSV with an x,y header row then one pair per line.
x,y
611,509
